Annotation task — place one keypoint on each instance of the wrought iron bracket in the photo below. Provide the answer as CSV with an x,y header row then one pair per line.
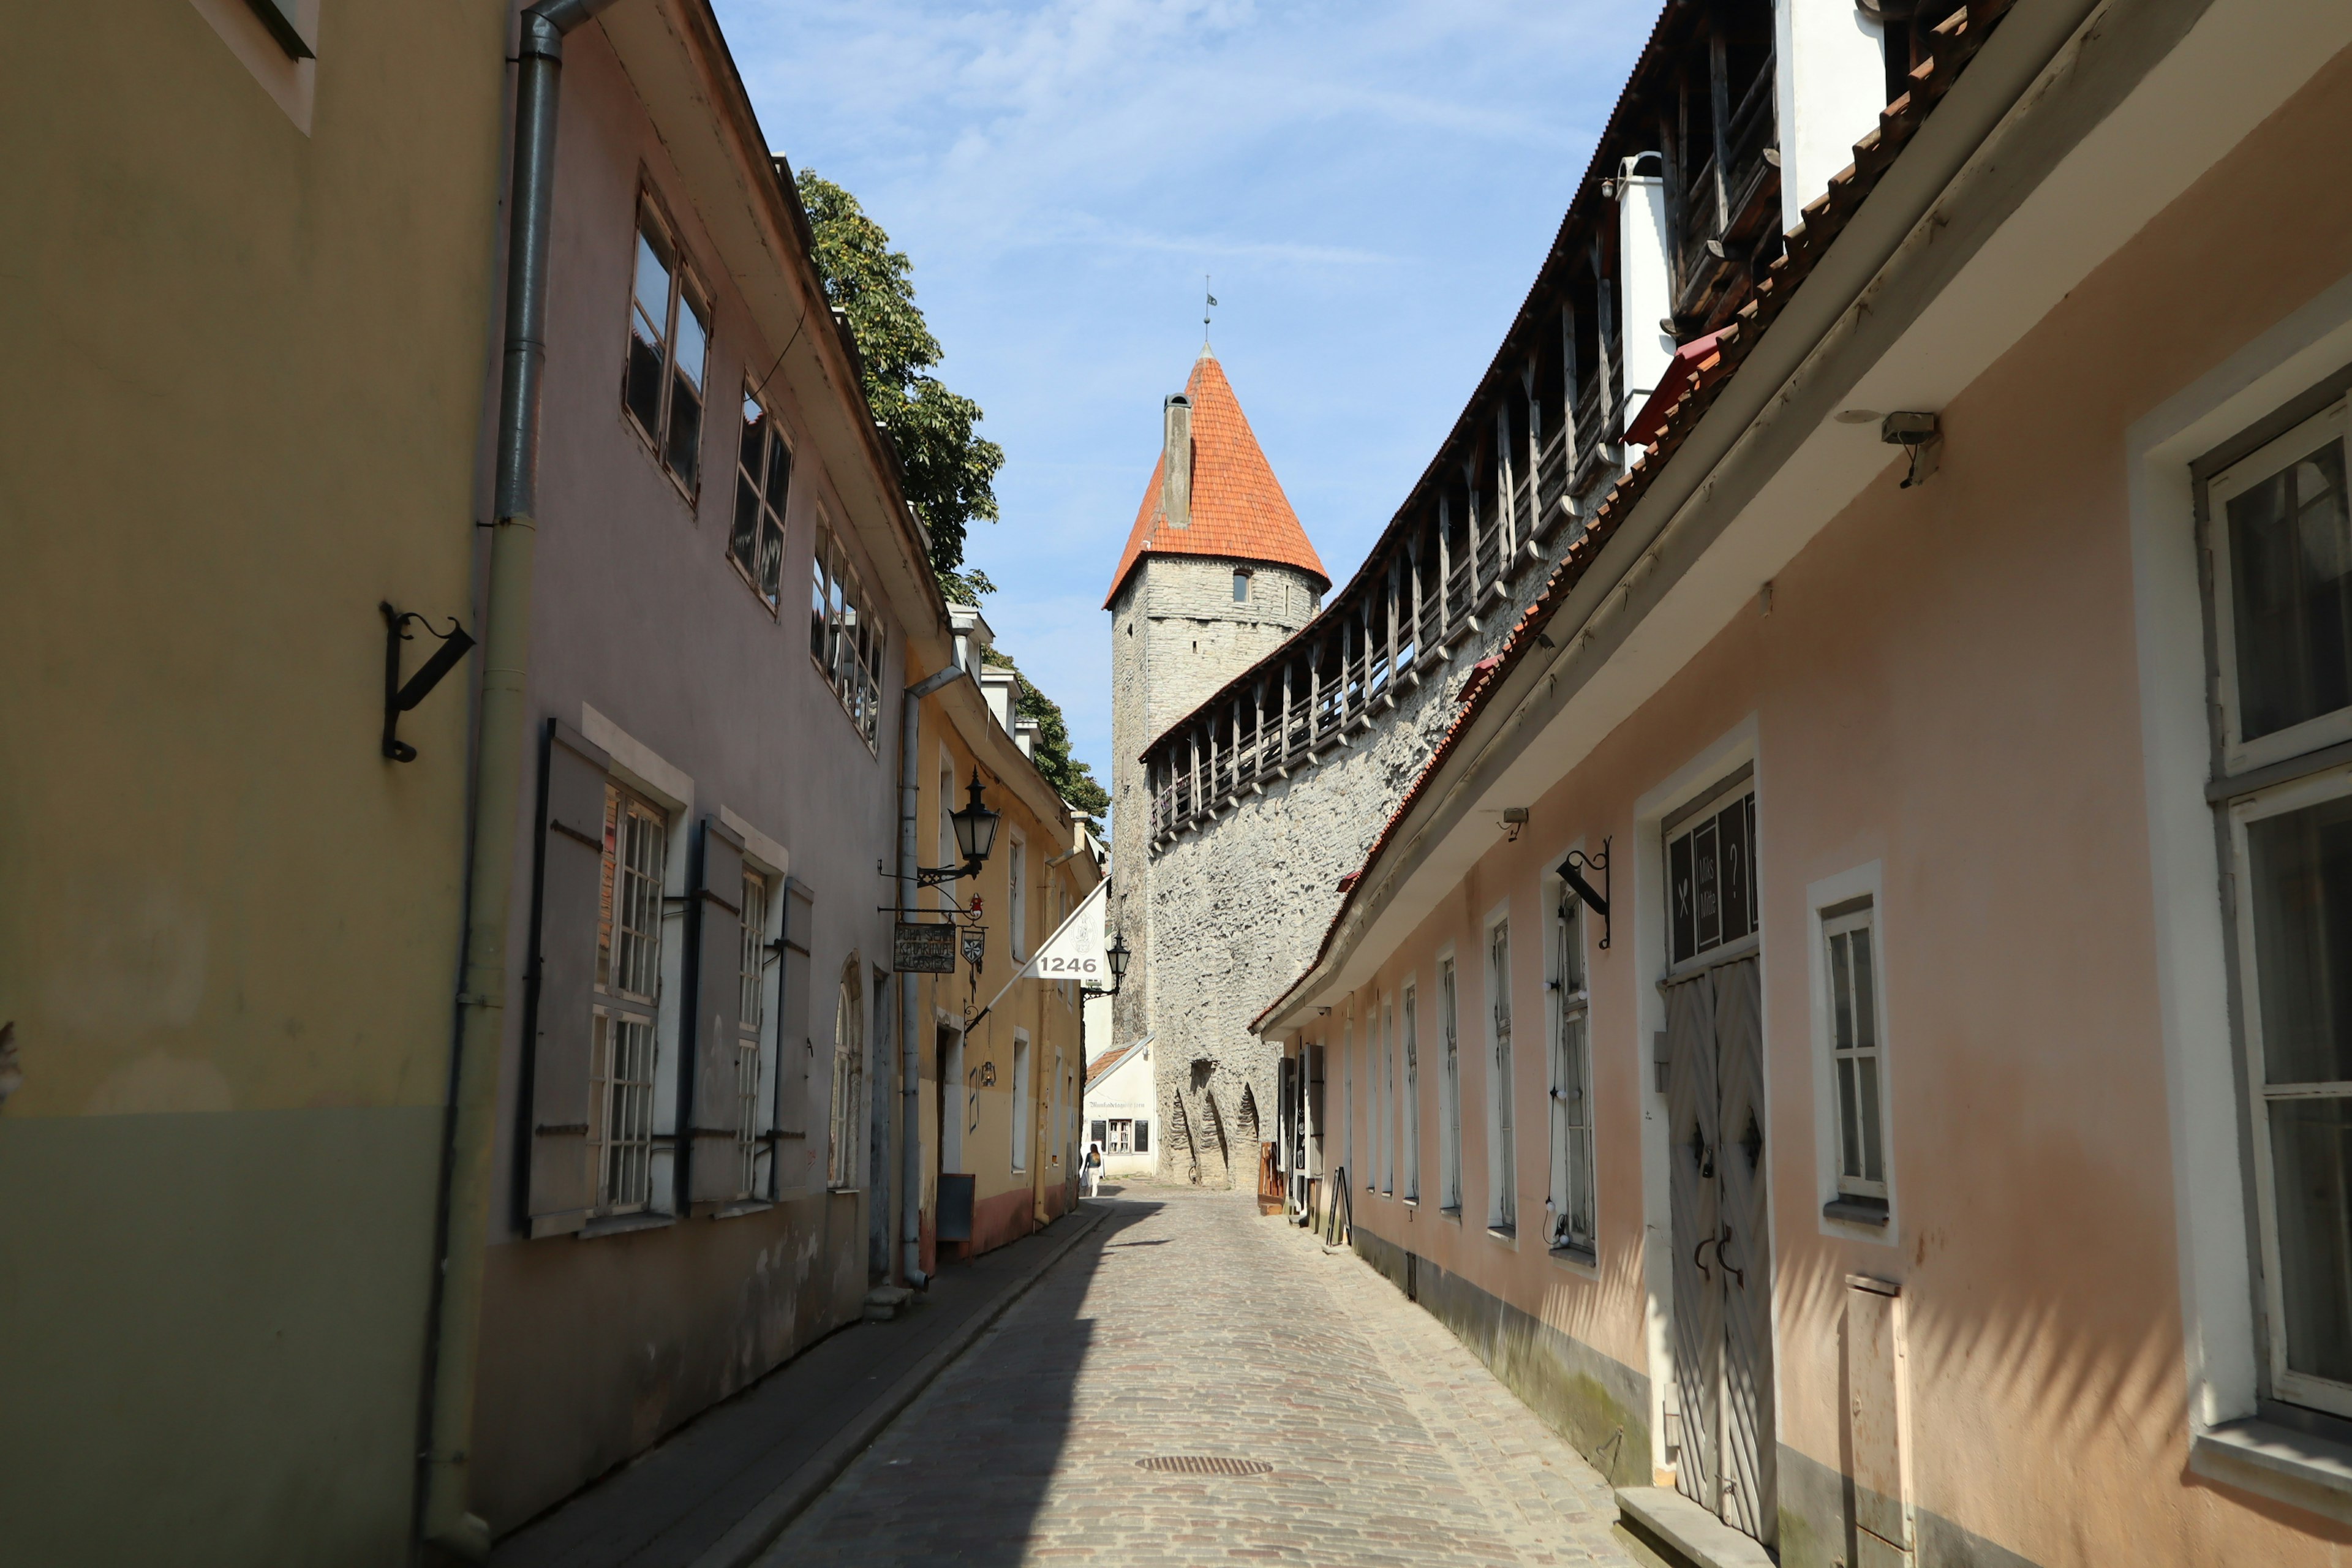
x,y
939,876
1572,871
399,699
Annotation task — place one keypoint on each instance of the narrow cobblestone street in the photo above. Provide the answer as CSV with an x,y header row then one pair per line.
x,y
1180,1327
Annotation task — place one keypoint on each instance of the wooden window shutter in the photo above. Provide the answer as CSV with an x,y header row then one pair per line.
x,y
716,964
566,905
795,1049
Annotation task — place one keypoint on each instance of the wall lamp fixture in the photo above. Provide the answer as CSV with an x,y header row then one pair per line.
x,y
1572,871
1919,434
975,836
398,699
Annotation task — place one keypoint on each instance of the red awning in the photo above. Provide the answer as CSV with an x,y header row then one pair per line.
x,y
1690,361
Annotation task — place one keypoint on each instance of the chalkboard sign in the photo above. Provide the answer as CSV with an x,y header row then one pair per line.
x,y
924,949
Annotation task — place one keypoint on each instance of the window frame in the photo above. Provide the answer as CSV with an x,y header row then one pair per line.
x,y
1686,823
1449,997
1021,1101
2216,491
1846,918
1242,584
1408,1006
686,291
769,511
1016,893
1570,1016
616,1004
845,1097
856,685
1502,1123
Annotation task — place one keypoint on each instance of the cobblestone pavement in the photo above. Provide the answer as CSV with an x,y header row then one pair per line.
x,y
1188,1325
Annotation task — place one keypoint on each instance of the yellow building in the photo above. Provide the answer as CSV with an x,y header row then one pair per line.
x,y
246,305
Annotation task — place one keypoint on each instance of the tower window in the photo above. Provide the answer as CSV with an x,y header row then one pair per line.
x,y
1241,587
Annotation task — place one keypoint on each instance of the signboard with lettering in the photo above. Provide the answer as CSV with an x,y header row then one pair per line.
x,y
924,949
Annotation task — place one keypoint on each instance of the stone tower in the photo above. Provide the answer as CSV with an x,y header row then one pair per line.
x,y
1216,574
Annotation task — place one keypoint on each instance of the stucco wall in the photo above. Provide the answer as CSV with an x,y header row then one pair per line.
x,y
247,354
1946,688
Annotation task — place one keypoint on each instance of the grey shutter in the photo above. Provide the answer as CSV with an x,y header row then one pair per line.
x,y
565,905
712,1170
795,1051
1142,1136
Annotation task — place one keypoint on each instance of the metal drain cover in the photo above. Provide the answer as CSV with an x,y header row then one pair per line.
x,y
1205,1465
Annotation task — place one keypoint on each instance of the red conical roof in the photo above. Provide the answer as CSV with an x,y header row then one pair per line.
x,y
1238,509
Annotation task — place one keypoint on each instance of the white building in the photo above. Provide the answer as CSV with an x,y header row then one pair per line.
x,y
1119,1099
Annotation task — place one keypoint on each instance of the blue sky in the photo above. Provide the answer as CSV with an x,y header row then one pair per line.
x,y
1371,184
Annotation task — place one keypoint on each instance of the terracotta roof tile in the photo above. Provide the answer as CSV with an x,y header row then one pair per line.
x,y
1238,509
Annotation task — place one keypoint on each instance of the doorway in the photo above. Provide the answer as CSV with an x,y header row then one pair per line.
x,y
1718,1191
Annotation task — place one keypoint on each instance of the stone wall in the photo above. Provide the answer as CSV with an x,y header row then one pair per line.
x,y
1233,912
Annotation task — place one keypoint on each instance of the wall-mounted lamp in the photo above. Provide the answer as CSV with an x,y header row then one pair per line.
x,y
398,699
1921,436
1514,818
1572,871
975,836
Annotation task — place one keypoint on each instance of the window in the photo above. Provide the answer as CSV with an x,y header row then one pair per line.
x,y
1572,1227
1347,1096
669,342
1143,1135
628,991
848,1080
1450,1086
1016,899
844,636
2279,536
1019,1100
763,472
1412,1095
752,1025
1122,1136
1241,587
1854,1029
1388,1097
1502,1162
1710,867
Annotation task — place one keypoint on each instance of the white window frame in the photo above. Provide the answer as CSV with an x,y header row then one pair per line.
x,y
687,296
2315,789
2322,729
1502,1074
766,541
1574,1161
1408,1009
1021,1113
765,858
1388,1093
848,640
1449,1083
1686,821
1845,922
624,1102
1016,896
844,1101
1833,903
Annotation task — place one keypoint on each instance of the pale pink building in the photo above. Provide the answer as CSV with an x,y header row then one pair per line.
x,y
1939,1150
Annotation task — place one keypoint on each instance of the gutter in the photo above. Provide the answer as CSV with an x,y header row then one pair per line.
x,y
910,1053
498,783
2055,68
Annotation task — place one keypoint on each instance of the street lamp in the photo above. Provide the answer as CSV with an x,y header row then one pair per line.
x,y
1118,956
975,836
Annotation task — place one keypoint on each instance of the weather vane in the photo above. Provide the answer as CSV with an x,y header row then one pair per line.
x,y
1206,309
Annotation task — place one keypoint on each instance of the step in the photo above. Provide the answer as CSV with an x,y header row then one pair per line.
x,y
1681,1532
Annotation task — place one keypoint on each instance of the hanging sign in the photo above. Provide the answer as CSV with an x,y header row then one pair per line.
x,y
1075,951
923,948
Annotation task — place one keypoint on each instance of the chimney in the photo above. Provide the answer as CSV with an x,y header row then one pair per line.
x,y
1647,283
1176,464
1831,60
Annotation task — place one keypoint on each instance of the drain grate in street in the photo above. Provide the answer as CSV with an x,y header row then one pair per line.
x,y
1205,1465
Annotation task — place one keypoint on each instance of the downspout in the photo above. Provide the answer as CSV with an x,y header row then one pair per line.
x,y
910,1054
497,785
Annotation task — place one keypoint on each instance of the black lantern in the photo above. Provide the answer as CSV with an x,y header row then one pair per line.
x,y
975,829
1119,953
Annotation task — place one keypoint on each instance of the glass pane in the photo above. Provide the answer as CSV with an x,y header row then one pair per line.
x,y
2301,866
1682,909
1865,993
2311,1149
2290,557
642,388
1840,995
1873,1166
744,538
772,563
816,604
653,283
779,473
755,438
1850,1145
1731,839
1706,884
693,342
683,451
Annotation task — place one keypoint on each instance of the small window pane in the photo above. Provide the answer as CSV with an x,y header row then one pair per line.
x,y
648,329
817,594
1841,994
2311,1150
2291,587
1873,1166
1865,999
1850,1162
2301,898
1241,587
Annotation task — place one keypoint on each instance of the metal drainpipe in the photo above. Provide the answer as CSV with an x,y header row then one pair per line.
x,y
498,787
910,1054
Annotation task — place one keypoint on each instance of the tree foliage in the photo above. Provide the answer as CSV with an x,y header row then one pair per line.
x,y
950,469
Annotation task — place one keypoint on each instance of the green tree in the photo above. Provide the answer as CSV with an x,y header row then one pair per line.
x,y
1074,780
951,471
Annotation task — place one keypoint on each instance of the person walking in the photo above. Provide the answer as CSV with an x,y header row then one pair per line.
x,y
1091,1171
